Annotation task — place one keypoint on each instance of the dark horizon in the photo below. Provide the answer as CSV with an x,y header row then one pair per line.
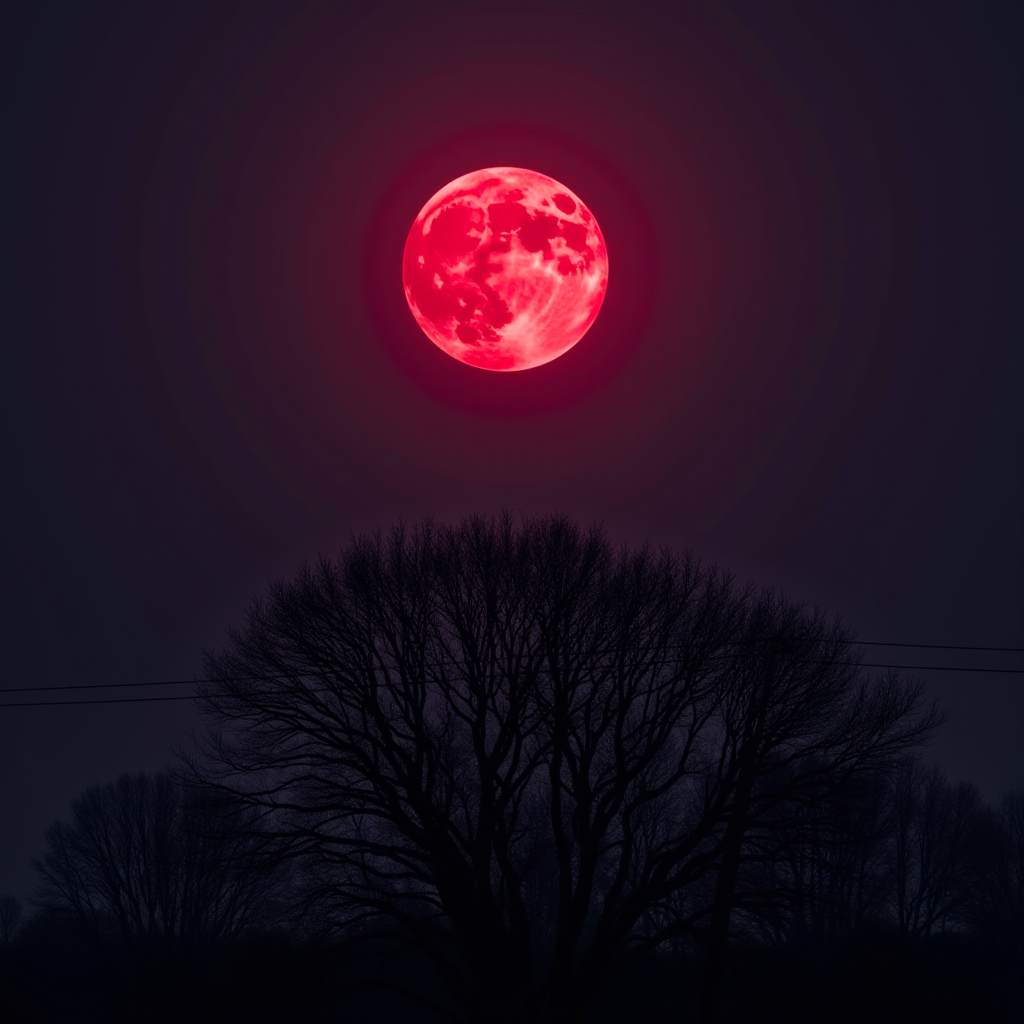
x,y
506,771
807,369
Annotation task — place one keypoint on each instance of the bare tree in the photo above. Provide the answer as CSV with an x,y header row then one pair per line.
x,y
798,722
826,873
995,887
934,825
153,862
528,754
10,918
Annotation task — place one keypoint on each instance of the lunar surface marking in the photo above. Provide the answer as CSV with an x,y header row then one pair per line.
x,y
505,269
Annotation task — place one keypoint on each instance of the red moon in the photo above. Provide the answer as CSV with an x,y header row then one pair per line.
x,y
505,268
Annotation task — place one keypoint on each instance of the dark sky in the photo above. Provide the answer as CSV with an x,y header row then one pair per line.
x,y
808,366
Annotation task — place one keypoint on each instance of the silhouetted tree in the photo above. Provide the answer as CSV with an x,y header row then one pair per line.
x,y
825,875
10,917
933,845
532,756
995,897
797,723
146,859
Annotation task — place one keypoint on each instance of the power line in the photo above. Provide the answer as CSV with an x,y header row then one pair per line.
x,y
193,682
120,686
936,668
454,661
930,647
102,700
859,643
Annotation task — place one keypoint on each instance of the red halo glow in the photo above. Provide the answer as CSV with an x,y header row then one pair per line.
x,y
505,268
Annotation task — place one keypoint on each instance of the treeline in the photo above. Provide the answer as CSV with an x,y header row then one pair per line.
x,y
149,904
506,772
906,850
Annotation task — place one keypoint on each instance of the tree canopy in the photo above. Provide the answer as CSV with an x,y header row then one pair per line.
x,y
532,755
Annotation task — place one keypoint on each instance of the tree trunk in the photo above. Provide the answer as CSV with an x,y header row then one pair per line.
x,y
718,934
709,1001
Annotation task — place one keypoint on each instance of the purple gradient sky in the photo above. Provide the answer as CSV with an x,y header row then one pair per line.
x,y
808,366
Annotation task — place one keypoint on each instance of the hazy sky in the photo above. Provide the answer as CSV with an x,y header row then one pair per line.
x,y
808,366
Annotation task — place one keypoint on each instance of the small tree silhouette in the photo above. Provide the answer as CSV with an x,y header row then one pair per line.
x,y
10,917
933,848
819,874
147,860
532,757
994,886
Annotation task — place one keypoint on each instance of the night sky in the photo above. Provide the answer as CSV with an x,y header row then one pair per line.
x,y
808,366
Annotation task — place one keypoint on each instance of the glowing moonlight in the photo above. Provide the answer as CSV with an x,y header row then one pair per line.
x,y
505,268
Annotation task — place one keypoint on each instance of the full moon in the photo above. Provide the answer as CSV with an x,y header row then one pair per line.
x,y
505,268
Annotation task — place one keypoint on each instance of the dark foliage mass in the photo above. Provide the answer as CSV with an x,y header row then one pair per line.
x,y
504,771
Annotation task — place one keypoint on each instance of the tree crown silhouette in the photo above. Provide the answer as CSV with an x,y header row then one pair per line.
x,y
530,754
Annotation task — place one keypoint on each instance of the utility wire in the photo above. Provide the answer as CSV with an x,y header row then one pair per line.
x,y
456,661
859,643
930,647
104,700
194,682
